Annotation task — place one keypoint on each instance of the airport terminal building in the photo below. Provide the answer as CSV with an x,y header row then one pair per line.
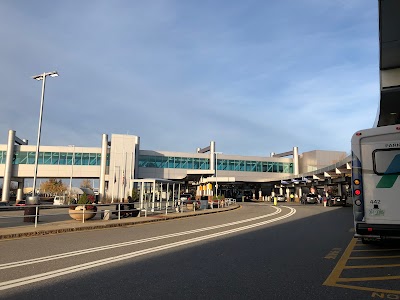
x,y
119,162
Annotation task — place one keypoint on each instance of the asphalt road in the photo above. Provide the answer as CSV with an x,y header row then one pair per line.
x,y
256,252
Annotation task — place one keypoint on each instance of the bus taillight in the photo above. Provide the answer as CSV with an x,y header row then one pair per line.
x,y
357,192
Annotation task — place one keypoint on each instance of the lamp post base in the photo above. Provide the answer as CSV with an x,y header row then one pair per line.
x,y
30,211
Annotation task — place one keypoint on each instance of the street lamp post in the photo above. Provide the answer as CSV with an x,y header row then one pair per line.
x,y
40,77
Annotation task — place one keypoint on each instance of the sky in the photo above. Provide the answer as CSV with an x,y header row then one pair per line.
x,y
255,76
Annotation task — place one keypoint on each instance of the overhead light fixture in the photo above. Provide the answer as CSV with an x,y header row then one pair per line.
x,y
41,76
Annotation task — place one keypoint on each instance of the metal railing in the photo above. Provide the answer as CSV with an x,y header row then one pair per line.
x,y
34,213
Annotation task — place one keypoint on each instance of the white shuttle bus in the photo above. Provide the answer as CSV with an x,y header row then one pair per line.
x,y
376,182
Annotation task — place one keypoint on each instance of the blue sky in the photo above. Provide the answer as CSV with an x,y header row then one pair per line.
x,y
254,76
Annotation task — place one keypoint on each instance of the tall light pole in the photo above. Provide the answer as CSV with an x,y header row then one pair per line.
x,y
216,168
72,170
43,78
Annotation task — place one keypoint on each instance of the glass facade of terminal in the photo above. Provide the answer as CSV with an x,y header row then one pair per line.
x,y
147,161
172,162
54,158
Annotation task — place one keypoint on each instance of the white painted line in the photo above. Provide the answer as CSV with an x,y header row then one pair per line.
x,y
124,244
52,274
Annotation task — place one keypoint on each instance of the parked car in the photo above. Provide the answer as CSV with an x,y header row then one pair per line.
x,y
186,197
309,198
59,200
4,205
336,200
281,198
248,196
21,203
190,199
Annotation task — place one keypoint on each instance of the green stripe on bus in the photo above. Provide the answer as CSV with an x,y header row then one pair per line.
x,y
386,181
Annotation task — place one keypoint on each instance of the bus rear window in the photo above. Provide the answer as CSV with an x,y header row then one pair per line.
x,y
386,161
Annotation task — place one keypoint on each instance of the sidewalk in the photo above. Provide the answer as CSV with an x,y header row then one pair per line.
x,y
28,229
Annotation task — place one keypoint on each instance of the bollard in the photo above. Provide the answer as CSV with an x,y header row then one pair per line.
x,y
324,203
275,201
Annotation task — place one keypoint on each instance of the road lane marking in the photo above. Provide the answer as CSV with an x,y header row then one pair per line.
x,y
374,257
380,278
130,243
335,274
107,247
374,250
64,271
335,280
333,253
368,289
372,266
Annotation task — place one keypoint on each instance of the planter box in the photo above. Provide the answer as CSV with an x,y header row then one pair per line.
x,y
78,213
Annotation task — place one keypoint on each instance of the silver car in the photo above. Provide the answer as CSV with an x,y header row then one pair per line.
x,y
337,200
310,198
281,198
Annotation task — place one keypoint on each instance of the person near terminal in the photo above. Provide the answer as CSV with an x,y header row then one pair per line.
x,y
291,197
130,201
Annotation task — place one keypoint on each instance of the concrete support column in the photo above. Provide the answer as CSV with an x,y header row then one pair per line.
x,y
300,191
340,190
280,191
212,156
153,196
103,164
296,160
287,193
8,167
142,195
135,162
20,190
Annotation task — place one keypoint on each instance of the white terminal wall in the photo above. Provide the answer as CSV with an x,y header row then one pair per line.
x,y
318,159
123,160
